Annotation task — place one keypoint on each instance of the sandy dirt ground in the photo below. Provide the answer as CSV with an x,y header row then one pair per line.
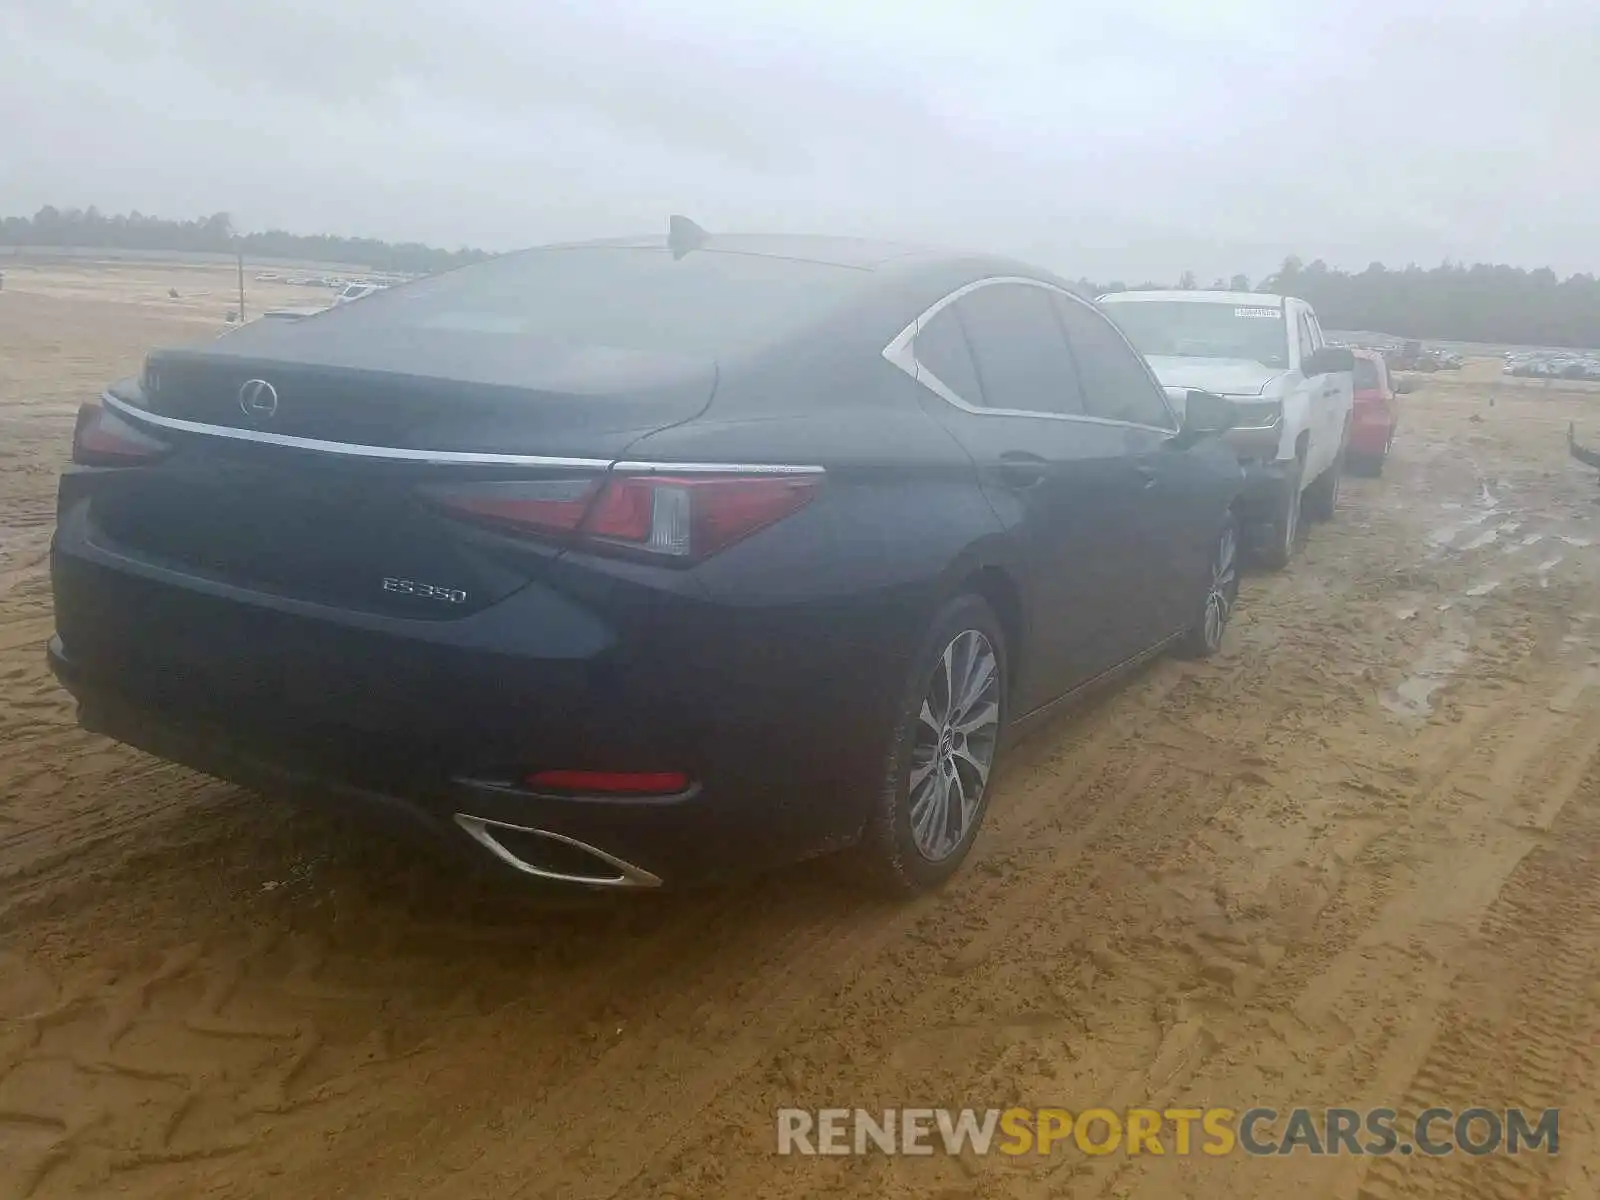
x,y
1351,861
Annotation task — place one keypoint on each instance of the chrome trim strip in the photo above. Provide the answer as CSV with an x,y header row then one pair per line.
x,y
444,457
628,875
900,354
698,468
349,449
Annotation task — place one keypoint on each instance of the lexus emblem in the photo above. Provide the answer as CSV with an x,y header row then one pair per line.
x,y
258,399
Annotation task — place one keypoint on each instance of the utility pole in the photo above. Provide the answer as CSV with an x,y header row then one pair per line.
x,y
240,251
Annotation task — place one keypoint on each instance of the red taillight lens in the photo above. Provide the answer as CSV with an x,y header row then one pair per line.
x,y
547,506
684,517
627,513
692,516
634,783
103,439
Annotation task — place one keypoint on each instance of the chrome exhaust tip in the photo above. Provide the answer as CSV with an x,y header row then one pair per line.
x,y
610,871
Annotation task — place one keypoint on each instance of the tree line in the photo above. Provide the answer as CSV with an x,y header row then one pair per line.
x,y
89,228
1478,303
1453,301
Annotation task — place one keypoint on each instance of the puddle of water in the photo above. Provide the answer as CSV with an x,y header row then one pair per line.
x,y
1405,614
1438,662
1533,539
1575,541
1441,538
1549,563
1484,588
1490,536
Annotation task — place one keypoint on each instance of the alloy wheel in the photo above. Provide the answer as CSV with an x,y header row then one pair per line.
x,y
1224,584
957,732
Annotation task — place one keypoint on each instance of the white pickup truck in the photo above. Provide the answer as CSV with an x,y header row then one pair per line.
x,y
1292,393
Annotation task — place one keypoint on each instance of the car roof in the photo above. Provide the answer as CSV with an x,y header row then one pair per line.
x,y
862,253
1196,296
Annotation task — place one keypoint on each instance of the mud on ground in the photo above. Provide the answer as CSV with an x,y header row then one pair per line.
x,y
1352,861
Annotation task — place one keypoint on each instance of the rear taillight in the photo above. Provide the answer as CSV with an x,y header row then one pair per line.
x,y
103,439
685,517
545,506
691,516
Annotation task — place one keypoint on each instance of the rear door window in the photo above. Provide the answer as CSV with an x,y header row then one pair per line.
x,y
943,357
1367,375
1020,350
1116,383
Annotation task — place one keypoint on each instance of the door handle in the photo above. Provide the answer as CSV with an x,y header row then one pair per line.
x,y
1019,470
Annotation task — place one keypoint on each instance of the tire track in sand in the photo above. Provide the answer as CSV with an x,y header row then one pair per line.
x,y
1363,1015
672,1067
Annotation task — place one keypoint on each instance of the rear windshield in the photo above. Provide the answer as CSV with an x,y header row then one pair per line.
x,y
706,304
1366,377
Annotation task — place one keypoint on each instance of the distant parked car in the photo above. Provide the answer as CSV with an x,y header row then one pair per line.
x,y
635,562
1375,415
357,291
1413,356
293,314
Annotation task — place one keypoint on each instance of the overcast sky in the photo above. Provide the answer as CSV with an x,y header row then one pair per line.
x,y
1111,138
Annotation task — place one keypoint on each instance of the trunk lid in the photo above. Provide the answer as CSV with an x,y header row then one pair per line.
x,y
322,499
357,536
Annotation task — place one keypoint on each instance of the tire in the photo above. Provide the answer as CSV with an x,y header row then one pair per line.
x,y
1285,524
1204,637
897,854
1322,495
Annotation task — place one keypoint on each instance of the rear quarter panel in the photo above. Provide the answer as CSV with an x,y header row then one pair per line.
x,y
813,621
899,507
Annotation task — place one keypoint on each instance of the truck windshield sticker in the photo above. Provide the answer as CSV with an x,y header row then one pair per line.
x,y
1268,314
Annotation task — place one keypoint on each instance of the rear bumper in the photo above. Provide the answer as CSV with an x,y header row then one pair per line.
x,y
1374,443
714,829
1370,433
779,715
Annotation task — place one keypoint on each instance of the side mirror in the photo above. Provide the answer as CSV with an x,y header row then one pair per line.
x,y
1328,360
1205,414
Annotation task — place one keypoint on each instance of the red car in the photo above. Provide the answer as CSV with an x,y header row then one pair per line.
x,y
1375,415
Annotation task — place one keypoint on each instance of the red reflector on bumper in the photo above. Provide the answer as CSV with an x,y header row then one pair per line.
x,y
659,783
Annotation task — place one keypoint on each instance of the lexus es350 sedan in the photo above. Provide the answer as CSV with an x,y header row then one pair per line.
x,y
635,562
